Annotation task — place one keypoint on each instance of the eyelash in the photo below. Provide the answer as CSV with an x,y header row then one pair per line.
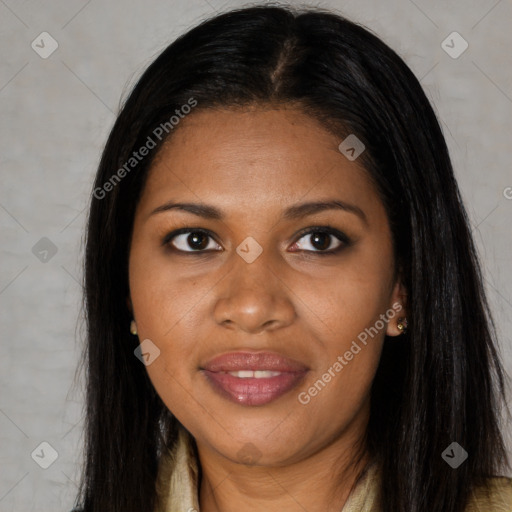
x,y
344,239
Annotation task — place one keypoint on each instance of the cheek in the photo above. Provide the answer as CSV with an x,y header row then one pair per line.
x,y
163,296
169,307
166,307
350,296
350,322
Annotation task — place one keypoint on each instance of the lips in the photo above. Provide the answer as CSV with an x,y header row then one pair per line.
x,y
270,361
253,378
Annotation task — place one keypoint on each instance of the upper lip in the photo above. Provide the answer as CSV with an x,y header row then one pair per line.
x,y
253,361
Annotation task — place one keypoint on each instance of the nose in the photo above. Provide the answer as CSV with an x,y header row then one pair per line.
x,y
253,298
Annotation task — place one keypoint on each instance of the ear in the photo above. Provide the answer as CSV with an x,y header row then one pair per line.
x,y
129,304
399,306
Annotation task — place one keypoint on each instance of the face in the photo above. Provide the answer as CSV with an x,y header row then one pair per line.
x,y
306,293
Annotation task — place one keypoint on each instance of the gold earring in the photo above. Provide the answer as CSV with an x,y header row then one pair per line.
x,y
402,325
133,328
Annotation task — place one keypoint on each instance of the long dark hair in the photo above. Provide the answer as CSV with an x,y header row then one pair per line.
x,y
441,383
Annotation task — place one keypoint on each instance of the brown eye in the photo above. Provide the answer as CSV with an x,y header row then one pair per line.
x,y
191,240
322,240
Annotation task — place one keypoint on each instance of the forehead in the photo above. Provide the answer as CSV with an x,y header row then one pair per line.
x,y
262,157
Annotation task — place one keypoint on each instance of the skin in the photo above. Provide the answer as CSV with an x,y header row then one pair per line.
x,y
252,164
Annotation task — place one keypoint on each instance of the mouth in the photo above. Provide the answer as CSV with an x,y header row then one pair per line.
x,y
253,378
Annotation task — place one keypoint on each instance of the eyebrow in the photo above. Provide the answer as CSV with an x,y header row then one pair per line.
x,y
291,213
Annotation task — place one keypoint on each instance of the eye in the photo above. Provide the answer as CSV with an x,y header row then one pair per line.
x,y
322,240
190,240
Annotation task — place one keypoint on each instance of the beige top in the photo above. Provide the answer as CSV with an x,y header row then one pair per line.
x,y
177,486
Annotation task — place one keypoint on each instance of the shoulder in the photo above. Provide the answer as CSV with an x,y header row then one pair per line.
x,y
496,496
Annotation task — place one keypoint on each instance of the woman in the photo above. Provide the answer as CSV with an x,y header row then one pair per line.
x,y
234,361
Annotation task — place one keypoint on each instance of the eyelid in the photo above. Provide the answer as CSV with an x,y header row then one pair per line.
x,y
339,235
324,229
173,234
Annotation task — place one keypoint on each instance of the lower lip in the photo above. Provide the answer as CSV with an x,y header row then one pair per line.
x,y
252,391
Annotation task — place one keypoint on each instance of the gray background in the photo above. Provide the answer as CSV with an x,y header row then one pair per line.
x,y
56,115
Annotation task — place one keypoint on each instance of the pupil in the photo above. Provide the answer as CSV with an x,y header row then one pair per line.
x,y
193,240
320,235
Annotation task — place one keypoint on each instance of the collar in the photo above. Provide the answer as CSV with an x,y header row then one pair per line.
x,y
177,483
